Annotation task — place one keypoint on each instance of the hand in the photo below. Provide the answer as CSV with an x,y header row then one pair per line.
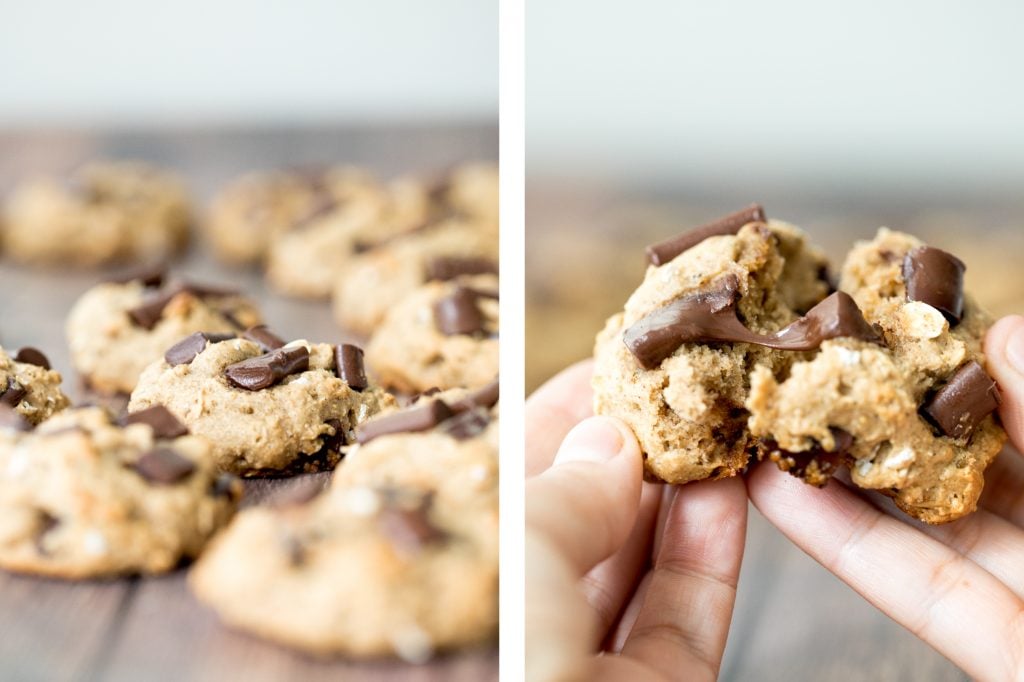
x,y
960,586
644,573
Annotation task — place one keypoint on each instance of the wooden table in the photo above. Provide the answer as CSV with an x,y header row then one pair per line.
x,y
793,620
152,628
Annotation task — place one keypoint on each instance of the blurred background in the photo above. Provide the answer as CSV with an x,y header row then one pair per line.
x,y
213,90
647,118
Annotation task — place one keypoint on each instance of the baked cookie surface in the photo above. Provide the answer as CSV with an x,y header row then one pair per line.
x,y
442,335
116,329
733,347
379,279
83,497
268,409
112,211
29,386
398,557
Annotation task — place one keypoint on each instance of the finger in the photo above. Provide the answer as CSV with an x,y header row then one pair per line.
x,y
1004,487
587,502
618,638
668,494
927,587
610,584
685,616
552,410
1004,348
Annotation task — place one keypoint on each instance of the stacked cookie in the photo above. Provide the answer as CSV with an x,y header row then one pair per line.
x,y
214,396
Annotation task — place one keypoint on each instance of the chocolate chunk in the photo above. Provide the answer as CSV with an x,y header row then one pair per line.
x,y
334,442
486,397
226,485
164,466
12,419
968,397
466,424
186,350
299,491
419,418
13,394
409,530
268,369
449,267
935,277
663,252
816,465
160,419
149,313
32,356
151,276
458,313
348,364
261,335
710,316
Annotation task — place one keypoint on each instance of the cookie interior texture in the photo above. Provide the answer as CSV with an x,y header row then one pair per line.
x,y
707,408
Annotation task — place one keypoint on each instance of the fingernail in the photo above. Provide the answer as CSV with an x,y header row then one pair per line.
x,y
1015,346
592,440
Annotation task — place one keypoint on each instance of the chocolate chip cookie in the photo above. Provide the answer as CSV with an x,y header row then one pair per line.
x,y
116,329
110,211
83,497
734,346
29,387
377,280
268,408
442,335
399,557
471,189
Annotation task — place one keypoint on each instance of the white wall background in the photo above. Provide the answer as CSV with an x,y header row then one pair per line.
x,y
143,63
868,92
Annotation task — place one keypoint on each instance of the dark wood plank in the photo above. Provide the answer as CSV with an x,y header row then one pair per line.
x,y
152,628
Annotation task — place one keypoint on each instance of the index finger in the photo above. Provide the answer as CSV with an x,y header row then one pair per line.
x,y
553,409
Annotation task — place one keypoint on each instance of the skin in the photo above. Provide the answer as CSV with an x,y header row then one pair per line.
x,y
632,580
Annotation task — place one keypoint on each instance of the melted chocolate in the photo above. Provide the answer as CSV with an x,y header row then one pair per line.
x,y
663,252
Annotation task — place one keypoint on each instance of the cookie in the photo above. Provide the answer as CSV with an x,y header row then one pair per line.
x,y
399,557
471,189
375,281
269,409
84,498
442,335
116,329
29,386
913,414
109,212
733,347
357,213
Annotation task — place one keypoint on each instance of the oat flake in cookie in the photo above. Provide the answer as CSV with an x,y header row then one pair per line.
x,y
399,557
442,335
116,329
82,497
268,411
29,386
112,211
734,347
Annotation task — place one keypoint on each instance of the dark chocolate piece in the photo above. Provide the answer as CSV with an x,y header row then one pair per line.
x,y
419,418
149,313
449,267
458,313
12,419
816,465
935,277
261,335
186,350
409,530
710,316
486,397
32,356
334,442
968,397
348,365
160,419
663,252
164,466
268,369
466,424
13,394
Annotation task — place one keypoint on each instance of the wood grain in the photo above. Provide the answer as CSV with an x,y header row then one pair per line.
x,y
152,628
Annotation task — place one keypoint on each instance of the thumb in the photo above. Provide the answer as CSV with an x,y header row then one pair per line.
x,y
1004,348
586,503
